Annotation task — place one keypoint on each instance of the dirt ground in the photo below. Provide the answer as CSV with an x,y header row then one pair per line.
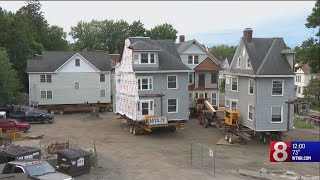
x,y
161,155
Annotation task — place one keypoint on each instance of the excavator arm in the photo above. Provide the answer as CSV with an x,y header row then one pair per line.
x,y
209,106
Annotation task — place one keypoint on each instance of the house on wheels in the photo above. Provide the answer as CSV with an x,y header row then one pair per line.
x,y
260,83
151,85
68,80
204,81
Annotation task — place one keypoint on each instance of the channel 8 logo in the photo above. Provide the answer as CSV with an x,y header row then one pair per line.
x,y
280,151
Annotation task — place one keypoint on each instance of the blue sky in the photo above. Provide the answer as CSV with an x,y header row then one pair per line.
x,y
210,22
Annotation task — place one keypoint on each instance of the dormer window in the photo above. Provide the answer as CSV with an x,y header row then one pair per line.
x,y
147,58
77,62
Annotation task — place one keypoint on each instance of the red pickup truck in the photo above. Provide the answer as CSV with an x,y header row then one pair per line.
x,y
9,124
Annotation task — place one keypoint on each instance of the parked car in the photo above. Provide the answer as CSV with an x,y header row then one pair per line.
x,y
10,124
35,169
33,116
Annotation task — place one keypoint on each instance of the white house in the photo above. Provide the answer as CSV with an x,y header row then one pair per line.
x,y
302,79
68,77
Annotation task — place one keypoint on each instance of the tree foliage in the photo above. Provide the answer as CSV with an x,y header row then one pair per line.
x,y
163,31
309,51
222,51
313,91
26,33
9,83
109,35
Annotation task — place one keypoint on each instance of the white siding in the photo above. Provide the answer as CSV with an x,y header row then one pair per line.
x,y
63,91
85,66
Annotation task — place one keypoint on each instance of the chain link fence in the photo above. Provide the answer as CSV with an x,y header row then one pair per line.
x,y
203,157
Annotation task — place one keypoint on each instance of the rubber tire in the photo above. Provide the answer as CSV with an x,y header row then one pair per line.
x,y
226,137
110,109
131,129
135,130
61,112
206,123
231,139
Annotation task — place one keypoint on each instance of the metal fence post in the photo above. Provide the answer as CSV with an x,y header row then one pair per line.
x,y
191,153
202,157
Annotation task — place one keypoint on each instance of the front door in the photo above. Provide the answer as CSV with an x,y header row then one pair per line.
x,y
201,80
145,107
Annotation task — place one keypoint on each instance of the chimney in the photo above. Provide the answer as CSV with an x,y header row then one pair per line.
x,y
247,34
181,38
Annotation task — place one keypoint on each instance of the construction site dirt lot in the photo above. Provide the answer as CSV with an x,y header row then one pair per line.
x,y
161,155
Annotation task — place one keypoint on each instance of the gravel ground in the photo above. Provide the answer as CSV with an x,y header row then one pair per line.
x,y
161,155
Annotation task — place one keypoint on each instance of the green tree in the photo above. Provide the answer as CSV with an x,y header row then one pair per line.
x,y
313,91
9,83
222,51
137,29
56,39
163,31
309,51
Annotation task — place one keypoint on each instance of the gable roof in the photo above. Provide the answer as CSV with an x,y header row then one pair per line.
x,y
266,57
168,56
50,61
184,45
305,68
207,65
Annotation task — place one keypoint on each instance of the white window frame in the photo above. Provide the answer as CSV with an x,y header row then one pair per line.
x,y
248,63
237,84
249,112
177,107
282,88
42,75
149,57
104,77
192,78
193,57
51,94
227,103
150,81
75,87
250,79
75,62
49,75
281,115
232,100
45,94
239,62
215,98
176,81
104,92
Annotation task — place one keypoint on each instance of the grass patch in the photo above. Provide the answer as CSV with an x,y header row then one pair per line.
x,y
300,124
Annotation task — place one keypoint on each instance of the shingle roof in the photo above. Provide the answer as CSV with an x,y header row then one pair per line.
x,y
207,65
169,58
181,46
115,58
50,61
305,68
266,57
